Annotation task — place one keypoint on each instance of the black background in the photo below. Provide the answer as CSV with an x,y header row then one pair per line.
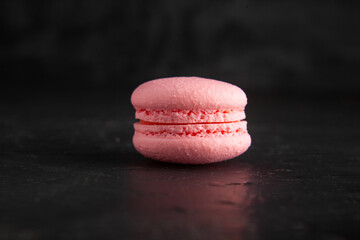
x,y
297,46
68,169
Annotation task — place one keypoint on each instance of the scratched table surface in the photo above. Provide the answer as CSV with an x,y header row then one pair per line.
x,y
68,170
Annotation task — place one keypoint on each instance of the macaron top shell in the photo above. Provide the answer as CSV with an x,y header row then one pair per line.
x,y
188,93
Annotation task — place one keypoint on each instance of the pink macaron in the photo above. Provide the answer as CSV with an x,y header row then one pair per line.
x,y
190,120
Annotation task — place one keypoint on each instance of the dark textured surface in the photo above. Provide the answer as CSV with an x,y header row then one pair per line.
x,y
68,171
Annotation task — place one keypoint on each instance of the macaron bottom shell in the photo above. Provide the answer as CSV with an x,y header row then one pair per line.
x,y
191,149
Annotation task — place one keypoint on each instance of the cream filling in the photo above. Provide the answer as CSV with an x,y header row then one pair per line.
x,y
198,129
190,116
